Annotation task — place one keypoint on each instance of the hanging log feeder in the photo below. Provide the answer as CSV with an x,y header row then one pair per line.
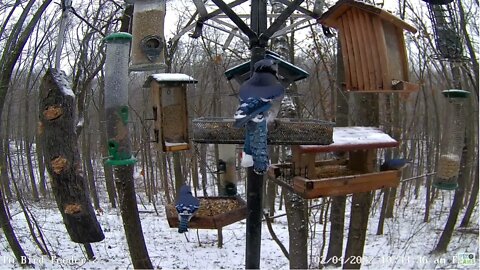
x,y
214,213
373,47
312,179
57,118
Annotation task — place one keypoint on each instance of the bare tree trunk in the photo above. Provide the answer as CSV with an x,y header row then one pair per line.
x,y
17,250
131,220
87,161
337,212
472,202
12,49
365,113
109,179
297,218
28,146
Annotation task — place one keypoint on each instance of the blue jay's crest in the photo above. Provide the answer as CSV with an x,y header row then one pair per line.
x,y
266,65
394,164
186,207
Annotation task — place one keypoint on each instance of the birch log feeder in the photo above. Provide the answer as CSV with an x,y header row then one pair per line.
x,y
62,158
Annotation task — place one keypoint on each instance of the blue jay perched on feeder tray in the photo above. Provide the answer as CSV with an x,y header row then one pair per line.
x,y
394,164
260,100
186,207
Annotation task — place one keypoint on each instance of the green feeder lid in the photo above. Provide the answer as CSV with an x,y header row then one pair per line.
x,y
121,162
445,185
120,36
455,93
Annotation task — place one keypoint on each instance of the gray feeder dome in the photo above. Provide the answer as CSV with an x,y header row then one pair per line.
x,y
288,73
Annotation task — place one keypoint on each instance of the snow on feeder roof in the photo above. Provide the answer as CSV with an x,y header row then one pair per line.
x,y
169,95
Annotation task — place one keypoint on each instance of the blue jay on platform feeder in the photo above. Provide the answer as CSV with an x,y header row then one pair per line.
x,y
394,164
260,100
186,207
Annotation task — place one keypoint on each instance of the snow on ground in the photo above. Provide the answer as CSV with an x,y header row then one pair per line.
x,y
406,243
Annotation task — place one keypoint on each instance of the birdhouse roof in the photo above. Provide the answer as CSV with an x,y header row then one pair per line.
x,y
330,18
166,78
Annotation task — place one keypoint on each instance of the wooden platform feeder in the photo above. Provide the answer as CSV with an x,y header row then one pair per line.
x,y
214,213
169,97
373,47
312,179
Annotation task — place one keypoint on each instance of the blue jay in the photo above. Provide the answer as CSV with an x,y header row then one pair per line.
x,y
260,100
394,164
186,206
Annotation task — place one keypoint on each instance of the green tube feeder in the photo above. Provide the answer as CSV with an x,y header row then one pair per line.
x,y
116,99
453,139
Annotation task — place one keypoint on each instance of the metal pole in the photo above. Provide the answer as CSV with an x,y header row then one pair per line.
x,y
258,16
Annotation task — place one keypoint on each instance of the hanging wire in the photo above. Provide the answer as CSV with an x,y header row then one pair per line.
x,y
65,6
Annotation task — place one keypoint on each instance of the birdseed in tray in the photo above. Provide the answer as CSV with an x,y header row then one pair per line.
x,y
329,171
216,206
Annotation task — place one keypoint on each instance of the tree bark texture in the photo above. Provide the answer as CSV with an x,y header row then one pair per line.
x,y
63,159
365,113
131,219
337,212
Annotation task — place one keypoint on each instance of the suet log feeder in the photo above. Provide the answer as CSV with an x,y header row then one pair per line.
x,y
148,37
453,139
116,98
214,213
373,47
169,96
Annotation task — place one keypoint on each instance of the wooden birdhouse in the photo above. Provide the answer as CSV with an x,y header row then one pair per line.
x,y
169,97
373,47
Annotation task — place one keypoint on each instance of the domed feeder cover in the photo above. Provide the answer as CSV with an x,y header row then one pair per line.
x,y
452,142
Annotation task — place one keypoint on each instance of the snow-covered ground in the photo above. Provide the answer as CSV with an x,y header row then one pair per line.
x,y
406,243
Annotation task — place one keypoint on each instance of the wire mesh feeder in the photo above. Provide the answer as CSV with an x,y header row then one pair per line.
x,y
284,131
332,178
214,213
445,28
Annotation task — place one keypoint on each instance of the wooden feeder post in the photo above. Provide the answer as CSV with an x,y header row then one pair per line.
x,y
148,37
170,112
373,47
